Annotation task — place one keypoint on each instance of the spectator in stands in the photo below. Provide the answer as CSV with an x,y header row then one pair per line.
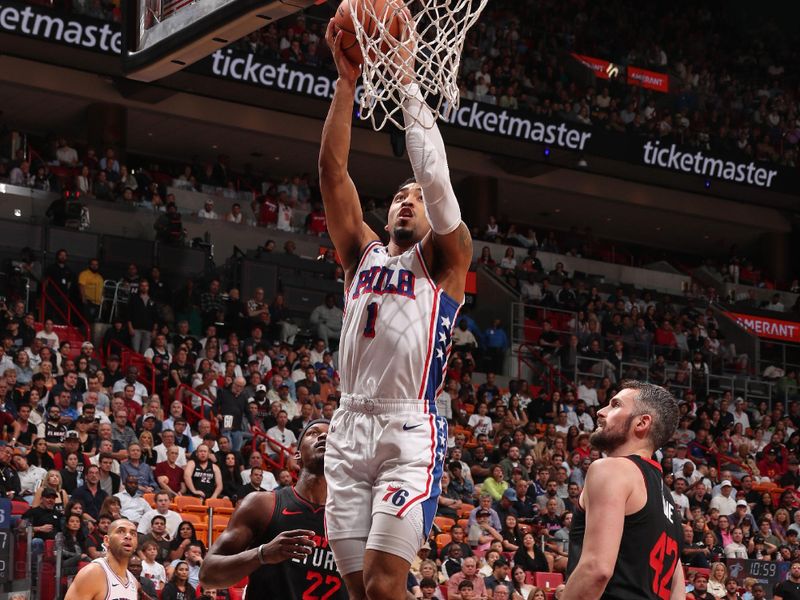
x,y
142,317
90,494
231,409
201,476
327,320
207,212
132,505
44,520
135,467
168,442
171,518
169,474
139,393
90,285
169,226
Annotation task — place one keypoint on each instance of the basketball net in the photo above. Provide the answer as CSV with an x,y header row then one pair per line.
x,y
432,34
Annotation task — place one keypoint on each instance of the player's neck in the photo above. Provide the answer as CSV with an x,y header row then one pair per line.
x,y
312,487
633,447
396,249
120,568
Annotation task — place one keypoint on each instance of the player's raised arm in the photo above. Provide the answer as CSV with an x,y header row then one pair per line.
x,y
604,496
450,237
231,557
342,206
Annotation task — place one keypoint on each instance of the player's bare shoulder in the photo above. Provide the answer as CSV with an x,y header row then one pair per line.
x,y
89,584
613,471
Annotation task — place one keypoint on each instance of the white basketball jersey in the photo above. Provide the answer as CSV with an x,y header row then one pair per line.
x,y
396,332
116,589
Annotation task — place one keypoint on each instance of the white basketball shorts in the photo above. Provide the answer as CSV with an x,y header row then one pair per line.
x,y
382,456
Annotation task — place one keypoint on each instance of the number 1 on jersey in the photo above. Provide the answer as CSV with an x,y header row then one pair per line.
x,y
372,316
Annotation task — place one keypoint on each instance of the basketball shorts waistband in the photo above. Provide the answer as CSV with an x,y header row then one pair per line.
x,y
382,406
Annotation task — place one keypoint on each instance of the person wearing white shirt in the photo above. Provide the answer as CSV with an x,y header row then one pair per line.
x,y
139,391
724,503
736,549
207,212
48,336
167,441
480,421
162,508
588,393
739,414
256,462
580,418
30,476
132,505
281,434
680,498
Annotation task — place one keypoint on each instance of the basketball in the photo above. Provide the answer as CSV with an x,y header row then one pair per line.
x,y
389,12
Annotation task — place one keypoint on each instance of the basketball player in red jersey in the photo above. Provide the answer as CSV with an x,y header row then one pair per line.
x,y
386,445
626,531
108,578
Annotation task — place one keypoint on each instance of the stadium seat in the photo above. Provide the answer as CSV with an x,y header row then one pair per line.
x,y
202,533
465,510
443,590
548,581
220,522
193,518
442,540
444,523
464,523
216,503
197,509
150,498
183,501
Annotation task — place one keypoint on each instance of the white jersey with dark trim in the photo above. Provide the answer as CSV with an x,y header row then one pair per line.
x,y
396,332
116,588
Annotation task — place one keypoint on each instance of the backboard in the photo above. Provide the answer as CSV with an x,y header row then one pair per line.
x,y
161,37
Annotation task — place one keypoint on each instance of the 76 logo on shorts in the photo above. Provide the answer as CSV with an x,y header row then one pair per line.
x,y
396,495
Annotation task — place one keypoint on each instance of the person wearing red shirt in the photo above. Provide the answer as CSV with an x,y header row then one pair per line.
x,y
771,464
316,223
268,213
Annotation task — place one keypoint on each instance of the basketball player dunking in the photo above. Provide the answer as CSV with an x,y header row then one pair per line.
x,y
626,532
278,539
386,443
108,578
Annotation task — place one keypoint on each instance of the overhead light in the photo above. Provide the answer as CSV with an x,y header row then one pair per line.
x,y
276,157
582,164
608,219
556,210
149,134
214,146
658,228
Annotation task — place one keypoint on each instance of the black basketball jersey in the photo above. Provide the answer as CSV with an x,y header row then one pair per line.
x,y
315,576
650,548
203,479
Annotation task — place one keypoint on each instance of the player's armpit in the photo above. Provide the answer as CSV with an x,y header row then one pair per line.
x,y
605,494
449,257
231,558
89,584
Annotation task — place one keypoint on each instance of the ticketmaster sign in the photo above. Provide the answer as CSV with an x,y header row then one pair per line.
x,y
245,67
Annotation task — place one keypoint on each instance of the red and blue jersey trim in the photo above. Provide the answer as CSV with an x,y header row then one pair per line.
x,y
443,317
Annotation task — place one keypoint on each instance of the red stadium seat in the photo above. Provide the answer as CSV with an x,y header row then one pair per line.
x,y
548,581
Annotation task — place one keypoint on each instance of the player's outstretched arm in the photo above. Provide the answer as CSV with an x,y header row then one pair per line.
x,y
450,238
342,207
604,497
89,584
231,557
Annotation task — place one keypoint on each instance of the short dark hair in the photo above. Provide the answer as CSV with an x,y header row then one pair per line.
x,y
660,404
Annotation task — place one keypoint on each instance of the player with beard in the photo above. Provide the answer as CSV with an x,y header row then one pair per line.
x,y
626,532
108,578
278,538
